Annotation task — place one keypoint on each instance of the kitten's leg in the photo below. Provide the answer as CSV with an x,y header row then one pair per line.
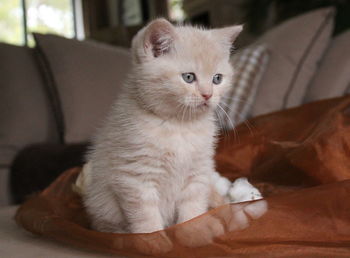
x,y
142,214
104,212
125,210
194,198
194,202
141,210
221,184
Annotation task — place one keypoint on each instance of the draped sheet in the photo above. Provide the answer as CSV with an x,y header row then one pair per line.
x,y
298,158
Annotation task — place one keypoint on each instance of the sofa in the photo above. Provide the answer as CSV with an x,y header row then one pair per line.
x,y
57,93
35,111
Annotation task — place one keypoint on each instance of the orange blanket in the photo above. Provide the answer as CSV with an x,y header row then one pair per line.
x,y
300,160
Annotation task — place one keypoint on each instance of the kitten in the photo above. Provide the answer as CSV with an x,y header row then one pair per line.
x,y
151,163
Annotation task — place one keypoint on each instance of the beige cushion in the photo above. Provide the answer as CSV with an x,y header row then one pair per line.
x,y
249,65
88,76
333,76
25,112
296,46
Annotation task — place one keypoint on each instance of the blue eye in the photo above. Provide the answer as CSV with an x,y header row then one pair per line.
x,y
217,78
189,77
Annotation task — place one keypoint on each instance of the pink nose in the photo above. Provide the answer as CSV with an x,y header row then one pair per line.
x,y
207,96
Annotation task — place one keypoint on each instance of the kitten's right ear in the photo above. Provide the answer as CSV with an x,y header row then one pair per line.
x,y
155,40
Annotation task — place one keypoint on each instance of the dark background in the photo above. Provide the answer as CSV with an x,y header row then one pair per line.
x,y
257,15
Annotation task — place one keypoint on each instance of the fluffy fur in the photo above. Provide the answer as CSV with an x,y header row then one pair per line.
x,y
151,163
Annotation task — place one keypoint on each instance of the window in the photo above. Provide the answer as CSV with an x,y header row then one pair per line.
x,y
176,12
19,18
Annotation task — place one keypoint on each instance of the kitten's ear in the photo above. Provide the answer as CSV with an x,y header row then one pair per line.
x,y
155,40
159,37
228,34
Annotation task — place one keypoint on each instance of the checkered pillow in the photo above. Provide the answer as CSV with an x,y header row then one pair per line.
x,y
249,65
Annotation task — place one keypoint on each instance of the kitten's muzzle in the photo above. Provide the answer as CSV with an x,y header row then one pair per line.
x,y
207,96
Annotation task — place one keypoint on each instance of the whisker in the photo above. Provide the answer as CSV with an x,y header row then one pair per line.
x,y
233,127
243,120
183,113
249,126
226,115
223,128
190,113
243,100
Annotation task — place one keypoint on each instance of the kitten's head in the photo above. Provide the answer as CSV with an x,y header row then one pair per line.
x,y
182,72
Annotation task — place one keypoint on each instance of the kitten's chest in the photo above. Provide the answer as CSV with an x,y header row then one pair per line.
x,y
180,148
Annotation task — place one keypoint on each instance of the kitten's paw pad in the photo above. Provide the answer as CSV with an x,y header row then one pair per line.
x,y
241,191
222,184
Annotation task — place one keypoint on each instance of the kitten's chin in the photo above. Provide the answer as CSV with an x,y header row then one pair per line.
x,y
184,113
205,106
199,111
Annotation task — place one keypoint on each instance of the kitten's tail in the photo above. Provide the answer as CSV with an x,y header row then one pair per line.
x,y
83,180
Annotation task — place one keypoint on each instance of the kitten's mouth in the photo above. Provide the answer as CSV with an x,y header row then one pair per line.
x,y
204,105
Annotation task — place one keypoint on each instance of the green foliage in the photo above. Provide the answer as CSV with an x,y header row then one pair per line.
x,y
176,11
45,16
11,22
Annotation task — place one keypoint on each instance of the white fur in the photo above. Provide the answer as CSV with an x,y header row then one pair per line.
x,y
238,191
151,163
222,184
241,191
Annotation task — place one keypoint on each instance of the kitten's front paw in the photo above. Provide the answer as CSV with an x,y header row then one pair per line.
x,y
222,184
241,191
199,232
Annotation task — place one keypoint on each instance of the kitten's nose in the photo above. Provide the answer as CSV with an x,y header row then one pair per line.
x,y
207,96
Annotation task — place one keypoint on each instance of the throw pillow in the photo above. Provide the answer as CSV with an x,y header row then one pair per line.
x,y
87,77
333,77
296,46
249,65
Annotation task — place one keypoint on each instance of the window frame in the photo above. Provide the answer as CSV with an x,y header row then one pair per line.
x,y
78,20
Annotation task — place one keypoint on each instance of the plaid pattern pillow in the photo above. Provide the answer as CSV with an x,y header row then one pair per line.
x,y
249,65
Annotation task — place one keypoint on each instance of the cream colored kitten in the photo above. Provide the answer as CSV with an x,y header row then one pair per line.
x,y
152,162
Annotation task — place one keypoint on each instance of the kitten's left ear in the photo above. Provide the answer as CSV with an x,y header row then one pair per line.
x,y
228,34
155,40
159,37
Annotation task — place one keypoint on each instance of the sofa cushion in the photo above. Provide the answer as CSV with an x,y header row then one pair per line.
x,y
333,76
25,112
88,76
296,46
249,64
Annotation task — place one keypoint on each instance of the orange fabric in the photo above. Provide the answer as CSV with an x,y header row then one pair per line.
x,y
298,158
